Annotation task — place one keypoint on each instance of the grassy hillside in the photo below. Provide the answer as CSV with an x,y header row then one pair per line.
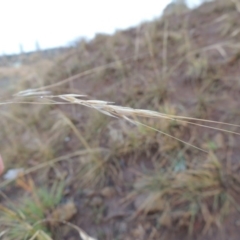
x,y
171,172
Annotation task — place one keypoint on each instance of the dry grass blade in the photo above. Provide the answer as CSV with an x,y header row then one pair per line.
x,y
126,113
3,233
30,92
176,118
49,163
41,236
114,110
82,234
139,123
119,111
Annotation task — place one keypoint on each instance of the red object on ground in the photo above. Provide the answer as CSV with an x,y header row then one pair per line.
x,y
1,165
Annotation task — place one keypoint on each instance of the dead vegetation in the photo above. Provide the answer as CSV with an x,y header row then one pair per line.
x,y
186,197
160,161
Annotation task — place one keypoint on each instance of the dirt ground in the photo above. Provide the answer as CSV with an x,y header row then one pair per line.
x,y
123,180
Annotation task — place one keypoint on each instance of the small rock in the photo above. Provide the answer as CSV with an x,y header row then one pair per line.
x,y
116,135
108,192
96,202
13,173
67,139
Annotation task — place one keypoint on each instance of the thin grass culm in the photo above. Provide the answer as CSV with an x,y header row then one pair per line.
x,y
127,113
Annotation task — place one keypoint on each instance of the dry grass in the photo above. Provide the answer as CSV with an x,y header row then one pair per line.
x,y
150,152
185,197
29,211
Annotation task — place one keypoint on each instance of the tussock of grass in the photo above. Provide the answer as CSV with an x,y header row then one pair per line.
x,y
191,195
31,210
